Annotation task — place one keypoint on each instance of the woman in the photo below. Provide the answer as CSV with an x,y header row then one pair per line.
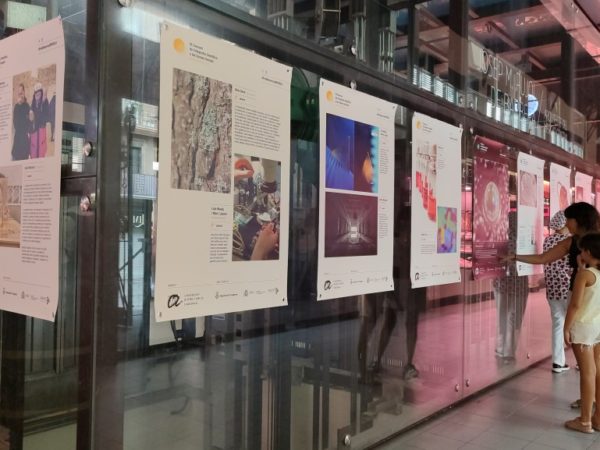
x,y
581,218
38,116
557,275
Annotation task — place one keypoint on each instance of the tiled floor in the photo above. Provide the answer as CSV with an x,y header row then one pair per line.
x,y
526,412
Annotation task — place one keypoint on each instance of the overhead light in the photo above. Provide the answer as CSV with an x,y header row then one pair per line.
x,y
533,105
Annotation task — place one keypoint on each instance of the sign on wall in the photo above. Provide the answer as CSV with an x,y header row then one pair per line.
x,y
530,211
223,211
560,188
32,71
436,202
356,207
490,208
583,187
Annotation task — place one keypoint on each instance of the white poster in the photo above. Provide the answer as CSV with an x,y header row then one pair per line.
x,y
436,202
32,73
223,193
356,198
583,187
560,188
530,211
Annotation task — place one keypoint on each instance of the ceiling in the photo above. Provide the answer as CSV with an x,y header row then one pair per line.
x,y
525,33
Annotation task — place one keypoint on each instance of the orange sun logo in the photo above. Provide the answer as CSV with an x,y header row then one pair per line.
x,y
179,45
329,96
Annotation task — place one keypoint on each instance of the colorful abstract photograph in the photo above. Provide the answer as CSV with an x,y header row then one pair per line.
x,y
446,229
352,152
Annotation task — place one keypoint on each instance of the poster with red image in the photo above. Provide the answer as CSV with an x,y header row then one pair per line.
x,y
490,208
560,188
583,187
436,215
530,211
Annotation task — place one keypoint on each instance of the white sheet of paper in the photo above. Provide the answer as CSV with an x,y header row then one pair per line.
x,y
32,73
530,211
223,212
560,188
583,187
356,196
436,202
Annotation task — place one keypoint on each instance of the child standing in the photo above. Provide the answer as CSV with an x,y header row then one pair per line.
x,y
582,331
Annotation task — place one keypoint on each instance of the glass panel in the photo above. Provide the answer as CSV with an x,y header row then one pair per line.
x,y
312,374
306,375
43,396
506,318
51,364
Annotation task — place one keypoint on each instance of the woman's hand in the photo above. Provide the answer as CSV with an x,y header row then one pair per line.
x,y
567,336
266,242
243,170
507,258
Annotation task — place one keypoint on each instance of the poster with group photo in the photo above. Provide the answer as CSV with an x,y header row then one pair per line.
x,y
490,208
436,202
583,187
223,193
560,188
530,211
356,196
32,72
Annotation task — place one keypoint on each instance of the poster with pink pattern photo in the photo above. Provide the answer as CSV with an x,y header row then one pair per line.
x,y
490,209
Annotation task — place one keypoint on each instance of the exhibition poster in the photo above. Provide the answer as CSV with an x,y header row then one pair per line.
x,y
32,70
560,188
530,211
490,208
436,202
223,192
583,187
356,195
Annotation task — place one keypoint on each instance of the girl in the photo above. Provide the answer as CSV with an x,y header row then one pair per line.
x,y
582,331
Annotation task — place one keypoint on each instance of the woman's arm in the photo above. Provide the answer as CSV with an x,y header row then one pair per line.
x,y
555,253
584,278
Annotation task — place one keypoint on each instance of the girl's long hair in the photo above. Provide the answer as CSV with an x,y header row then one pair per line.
x,y
586,215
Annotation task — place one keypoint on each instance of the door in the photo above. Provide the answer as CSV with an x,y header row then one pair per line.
x,y
46,366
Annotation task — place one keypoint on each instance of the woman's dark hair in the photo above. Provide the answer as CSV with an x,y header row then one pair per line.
x,y
591,243
585,215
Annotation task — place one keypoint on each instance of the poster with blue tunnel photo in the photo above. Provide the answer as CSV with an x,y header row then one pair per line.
x,y
356,193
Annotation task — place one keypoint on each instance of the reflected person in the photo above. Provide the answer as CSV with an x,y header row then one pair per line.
x,y
21,125
510,293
